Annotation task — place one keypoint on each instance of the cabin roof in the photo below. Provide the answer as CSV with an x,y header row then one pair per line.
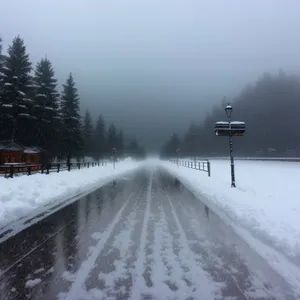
x,y
10,145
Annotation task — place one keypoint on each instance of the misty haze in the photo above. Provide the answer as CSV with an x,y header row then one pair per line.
x,y
155,67
149,149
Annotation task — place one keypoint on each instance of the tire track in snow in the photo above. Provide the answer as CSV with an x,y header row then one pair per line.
x,y
116,283
203,285
88,265
138,281
232,269
166,272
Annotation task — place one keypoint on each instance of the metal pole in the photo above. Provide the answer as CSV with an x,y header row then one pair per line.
x,y
231,156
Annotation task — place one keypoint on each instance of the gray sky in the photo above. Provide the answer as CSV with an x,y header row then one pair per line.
x,y
154,66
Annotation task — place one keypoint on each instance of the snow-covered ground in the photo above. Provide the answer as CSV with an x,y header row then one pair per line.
x,y
23,195
264,207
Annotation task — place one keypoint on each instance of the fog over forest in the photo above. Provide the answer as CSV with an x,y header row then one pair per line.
x,y
153,67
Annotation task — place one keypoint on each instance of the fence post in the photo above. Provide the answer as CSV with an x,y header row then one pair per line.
x,y
199,166
29,171
42,168
11,171
88,164
58,168
78,166
48,169
69,167
208,168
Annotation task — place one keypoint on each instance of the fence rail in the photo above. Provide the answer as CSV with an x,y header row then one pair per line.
x,y
198,165
10,171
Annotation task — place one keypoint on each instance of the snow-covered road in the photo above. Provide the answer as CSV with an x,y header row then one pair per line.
x,y
147,237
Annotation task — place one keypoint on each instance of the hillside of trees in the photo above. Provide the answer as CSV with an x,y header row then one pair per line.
x,y
33,113
271,110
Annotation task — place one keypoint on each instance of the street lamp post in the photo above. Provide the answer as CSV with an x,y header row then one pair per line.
x,y
228,110
230,129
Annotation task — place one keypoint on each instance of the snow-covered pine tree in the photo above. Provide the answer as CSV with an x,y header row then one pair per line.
x,y
87,131
112,139
1,83
1,73
46,106
99,138
72,139
120,143
16,107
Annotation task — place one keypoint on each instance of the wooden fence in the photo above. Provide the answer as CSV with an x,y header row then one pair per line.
x,y
10,171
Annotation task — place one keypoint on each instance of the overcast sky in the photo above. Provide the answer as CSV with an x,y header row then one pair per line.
x,y
158,55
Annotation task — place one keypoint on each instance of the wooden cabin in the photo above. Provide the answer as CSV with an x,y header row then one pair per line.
x,y
11,152
32,155
14,153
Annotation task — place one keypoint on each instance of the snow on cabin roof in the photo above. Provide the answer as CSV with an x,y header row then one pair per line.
x,y
32,150
228,107
9,145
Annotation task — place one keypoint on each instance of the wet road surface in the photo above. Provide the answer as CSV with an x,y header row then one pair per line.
x,y
145,237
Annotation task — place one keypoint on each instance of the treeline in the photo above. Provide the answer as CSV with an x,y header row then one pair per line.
x,y
271,110
34,113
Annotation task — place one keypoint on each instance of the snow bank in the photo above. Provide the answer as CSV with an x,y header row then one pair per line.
x,y
265,202
22,195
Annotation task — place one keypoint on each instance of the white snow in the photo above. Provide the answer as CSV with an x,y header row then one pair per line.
x,y
32,283
24,115
87,266
237,123
265,202
7,84
41,95
7,105
21,93
222,123
22,195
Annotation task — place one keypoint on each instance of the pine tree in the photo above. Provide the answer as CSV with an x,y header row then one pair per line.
x,y
87,134
46,105
120,143
99,138
1,73
72,140
16,109
112,139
